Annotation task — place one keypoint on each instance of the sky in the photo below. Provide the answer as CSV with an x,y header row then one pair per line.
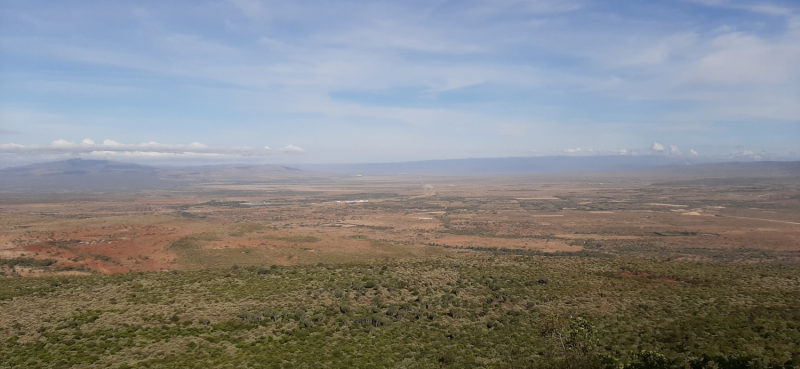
x,y
370,81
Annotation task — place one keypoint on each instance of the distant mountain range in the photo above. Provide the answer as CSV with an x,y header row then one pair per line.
x,y
75,167
78,174
556,165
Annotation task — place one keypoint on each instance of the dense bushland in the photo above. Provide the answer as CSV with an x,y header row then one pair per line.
x,y
504,311
26,262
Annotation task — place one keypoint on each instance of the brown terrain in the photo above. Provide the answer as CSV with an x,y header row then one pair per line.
x,y
338,219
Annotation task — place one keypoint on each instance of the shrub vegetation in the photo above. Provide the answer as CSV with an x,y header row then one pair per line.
x,y
492,311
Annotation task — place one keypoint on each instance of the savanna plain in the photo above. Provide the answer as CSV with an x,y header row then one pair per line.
x,y
569,271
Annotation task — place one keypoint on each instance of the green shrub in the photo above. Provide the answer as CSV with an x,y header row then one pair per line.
x,y
26,262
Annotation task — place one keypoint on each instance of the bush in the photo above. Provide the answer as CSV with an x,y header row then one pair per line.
x,y
27,262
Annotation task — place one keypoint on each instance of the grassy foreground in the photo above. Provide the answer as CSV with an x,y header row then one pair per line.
x,y
499,311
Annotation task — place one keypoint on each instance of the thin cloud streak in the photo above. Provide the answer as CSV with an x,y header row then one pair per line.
x,y
152,149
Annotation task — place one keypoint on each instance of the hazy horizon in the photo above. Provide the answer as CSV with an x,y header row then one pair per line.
x,y
647,161
248,81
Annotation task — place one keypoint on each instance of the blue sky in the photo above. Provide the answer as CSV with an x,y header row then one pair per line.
x,y
367,81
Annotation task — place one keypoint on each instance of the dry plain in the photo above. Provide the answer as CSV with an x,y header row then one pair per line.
x,y
570,271
355,218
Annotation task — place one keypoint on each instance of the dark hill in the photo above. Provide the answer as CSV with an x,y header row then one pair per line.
x,y
658,165
740,174
76,165
513,165
79,174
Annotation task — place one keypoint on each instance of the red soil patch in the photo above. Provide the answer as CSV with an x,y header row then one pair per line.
x,y
35,248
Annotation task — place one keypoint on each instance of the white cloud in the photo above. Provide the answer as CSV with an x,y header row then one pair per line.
x,y
738,57
660,52
399,36
724,29
598,151
154,155
748,154
657,147
62,144
692,152
673,150
755,8
495,8
249,8
510,129
149,149
439,49
292,149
